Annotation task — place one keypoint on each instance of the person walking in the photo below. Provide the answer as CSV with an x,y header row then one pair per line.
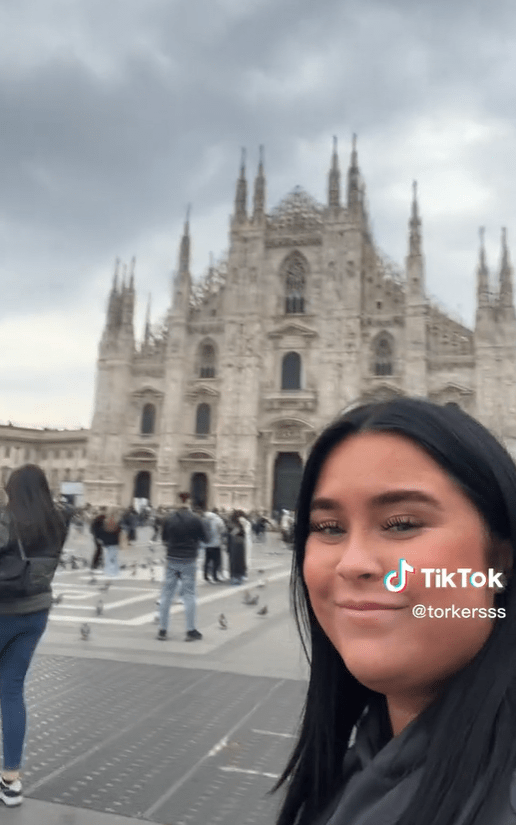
x,y
110,533
96,523
30,525
215,529
129,523
182,533
237,547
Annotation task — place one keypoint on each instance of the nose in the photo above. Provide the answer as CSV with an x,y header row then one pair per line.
x,y
359,557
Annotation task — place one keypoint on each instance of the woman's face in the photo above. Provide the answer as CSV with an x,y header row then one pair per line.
x,y
380,498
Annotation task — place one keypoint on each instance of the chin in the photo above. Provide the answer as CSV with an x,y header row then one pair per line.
x,y
378,669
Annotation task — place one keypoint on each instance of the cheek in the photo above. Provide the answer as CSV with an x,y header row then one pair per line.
x,y
318,571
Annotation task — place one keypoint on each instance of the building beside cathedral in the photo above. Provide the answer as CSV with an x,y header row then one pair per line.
x,y
60,453
303,319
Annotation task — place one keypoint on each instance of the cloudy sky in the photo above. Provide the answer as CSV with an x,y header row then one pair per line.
x,y
117,115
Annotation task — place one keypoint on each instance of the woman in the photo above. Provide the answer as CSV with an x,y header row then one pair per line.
x,y
111,535
31,518
237,547
408,719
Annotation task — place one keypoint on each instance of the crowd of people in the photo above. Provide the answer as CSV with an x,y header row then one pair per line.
x,y
185,532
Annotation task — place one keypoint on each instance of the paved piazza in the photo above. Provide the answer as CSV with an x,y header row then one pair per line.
x,y
124,728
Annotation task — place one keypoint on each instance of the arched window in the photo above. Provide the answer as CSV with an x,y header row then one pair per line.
x,y
207,361
148,419
295,284
383,355
291,371
202,419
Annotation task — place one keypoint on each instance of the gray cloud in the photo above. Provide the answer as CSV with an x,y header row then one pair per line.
x,y
112,123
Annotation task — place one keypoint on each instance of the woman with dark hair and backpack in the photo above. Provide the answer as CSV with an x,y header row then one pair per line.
x,y
31,526
405,600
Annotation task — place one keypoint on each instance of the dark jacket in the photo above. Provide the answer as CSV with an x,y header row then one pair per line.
x,y
182,533
109,538
381,774
44,558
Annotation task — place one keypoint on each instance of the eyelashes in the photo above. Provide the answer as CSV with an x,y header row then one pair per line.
x,y
395,524
406,522
323,526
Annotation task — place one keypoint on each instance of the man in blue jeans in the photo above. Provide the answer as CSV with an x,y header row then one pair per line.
x,y
182,534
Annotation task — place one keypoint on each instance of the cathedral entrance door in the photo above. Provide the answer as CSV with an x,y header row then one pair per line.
x,y
142,483
288,469
199,490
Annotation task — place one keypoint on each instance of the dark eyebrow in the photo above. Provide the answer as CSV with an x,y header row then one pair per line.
x,y
399,496
324,504
390,497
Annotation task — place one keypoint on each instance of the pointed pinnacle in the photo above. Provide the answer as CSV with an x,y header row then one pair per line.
x,y
354,154
415,215
335,157
115,276
242,162
481,233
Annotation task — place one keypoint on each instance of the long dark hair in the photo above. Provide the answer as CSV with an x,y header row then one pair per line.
x,y
472,750
31,508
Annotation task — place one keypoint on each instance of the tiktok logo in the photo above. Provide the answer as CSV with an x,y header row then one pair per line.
x,y
400,575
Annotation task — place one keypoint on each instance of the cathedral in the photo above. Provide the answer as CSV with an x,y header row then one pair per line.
x,y
305,318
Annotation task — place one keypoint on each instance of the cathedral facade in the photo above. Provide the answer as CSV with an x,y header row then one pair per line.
x,y
305,318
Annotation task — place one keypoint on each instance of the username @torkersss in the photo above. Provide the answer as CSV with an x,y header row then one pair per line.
x,y
421,611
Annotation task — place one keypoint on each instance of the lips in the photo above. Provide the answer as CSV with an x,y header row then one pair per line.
x,y
369,606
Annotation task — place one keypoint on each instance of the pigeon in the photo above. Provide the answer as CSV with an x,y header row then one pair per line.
x,y
223,622
105,587
143,566
99,608
263,611
134,569
75,566
254,600
85,631
58,599
261,572
247,598
123,566
93,580
262,583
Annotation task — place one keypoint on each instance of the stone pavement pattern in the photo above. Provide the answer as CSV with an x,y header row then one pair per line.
x,y
126,729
